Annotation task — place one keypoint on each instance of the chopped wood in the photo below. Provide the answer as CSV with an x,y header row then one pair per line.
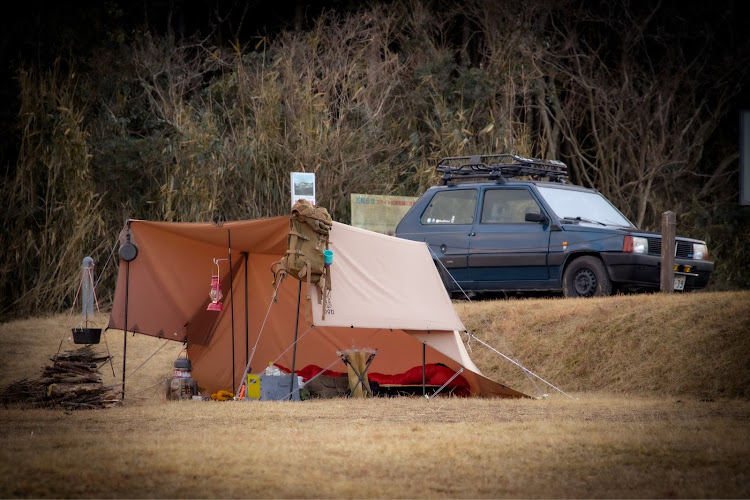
x,y
63,389
70,378
75,367
73,381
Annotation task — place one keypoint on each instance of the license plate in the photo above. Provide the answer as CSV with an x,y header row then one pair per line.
x,y
679,282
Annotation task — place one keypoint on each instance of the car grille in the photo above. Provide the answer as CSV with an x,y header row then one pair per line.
x,y
683,249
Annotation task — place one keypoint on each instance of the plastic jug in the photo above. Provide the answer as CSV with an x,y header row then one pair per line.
x,y
272,370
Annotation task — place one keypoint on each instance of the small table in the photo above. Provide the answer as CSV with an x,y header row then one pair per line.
x,y
357,362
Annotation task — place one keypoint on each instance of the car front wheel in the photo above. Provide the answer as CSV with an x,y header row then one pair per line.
x,y
586,277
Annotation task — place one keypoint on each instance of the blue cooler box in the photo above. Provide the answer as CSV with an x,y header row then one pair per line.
x,y
276,388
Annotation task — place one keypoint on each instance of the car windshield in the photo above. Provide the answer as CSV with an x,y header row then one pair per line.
x,y
585,206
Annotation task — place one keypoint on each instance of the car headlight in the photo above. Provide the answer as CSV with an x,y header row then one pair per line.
x,y
635,244
640,245
700,251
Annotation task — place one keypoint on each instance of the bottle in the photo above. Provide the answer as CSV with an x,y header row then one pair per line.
x,y
272,370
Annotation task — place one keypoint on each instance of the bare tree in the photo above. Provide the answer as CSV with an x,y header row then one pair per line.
x,y
635,114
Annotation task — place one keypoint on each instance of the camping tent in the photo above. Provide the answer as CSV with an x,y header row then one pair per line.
x,y
386,295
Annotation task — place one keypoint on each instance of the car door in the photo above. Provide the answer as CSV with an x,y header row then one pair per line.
x,y
505,248
446,223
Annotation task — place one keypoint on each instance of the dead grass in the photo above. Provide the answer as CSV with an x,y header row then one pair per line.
x,y
683,344
626,435
595,446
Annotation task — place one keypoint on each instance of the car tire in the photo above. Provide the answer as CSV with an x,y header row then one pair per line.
x,y
586,277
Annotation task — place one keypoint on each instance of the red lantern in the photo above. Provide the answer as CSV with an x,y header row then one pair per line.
x,y
215,293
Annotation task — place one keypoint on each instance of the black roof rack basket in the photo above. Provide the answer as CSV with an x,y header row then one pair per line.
x,y
500,167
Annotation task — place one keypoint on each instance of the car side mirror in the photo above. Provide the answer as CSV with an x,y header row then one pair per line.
x,y
533,217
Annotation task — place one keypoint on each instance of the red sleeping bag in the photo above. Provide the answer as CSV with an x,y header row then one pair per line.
x,y
435,374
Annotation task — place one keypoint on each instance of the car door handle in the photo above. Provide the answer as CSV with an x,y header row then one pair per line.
x,y
472,233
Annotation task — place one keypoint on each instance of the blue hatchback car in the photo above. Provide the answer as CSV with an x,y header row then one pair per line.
x,y
504,223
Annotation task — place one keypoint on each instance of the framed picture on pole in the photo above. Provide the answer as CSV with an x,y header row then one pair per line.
x,y
303,186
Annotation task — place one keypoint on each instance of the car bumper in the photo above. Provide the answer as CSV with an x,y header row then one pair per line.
x,y
635,270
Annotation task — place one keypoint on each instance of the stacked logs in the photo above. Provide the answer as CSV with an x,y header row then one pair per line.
x,y
73,382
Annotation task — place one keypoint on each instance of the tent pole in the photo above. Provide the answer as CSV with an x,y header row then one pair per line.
x,y
125,333
128,252
424,368
231,297
294,350
247,324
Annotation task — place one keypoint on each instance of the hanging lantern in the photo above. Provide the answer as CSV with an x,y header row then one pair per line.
x,y
215,294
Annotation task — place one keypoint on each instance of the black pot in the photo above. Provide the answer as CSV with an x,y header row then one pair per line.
x,y
86,335
182,364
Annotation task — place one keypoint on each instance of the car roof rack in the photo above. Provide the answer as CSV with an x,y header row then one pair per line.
x,y
500,167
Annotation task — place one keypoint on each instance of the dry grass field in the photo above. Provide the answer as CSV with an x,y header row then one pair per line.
x,y
660,409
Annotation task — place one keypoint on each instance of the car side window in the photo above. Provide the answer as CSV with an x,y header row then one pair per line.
x,y
508,206
451,207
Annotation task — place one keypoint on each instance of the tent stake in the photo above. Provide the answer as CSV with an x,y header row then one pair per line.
x,y
294,350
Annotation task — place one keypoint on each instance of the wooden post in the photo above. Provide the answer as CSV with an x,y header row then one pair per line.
x,y
668,223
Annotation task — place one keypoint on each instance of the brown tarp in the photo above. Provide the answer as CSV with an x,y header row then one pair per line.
x,y
386,295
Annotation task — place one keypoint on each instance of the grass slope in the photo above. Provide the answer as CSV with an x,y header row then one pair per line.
x,y
681,344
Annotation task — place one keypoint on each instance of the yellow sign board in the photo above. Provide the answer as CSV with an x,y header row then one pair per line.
x,y
379,213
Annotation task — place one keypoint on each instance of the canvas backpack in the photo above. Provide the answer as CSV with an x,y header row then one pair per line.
x,y
309,227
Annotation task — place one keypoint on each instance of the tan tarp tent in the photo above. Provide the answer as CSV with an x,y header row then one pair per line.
x,y
386,295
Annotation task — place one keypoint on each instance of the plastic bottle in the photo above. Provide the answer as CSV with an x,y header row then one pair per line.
x,y
272,370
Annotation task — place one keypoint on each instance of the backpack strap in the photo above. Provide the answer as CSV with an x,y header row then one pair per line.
x,y
308,305
325,287
279,272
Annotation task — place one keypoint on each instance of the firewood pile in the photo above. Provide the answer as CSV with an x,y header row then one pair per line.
x,y
72,382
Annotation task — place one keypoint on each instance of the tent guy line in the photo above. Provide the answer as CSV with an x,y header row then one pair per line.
x,y
149,358
321,372
526,370
489,326
459,372
109,258
263,325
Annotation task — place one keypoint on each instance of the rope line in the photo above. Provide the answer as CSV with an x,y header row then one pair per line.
x,y
147,388
293,344
519,365
262,327
313,378
112,253
149,358
70,316
488,325
446,383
